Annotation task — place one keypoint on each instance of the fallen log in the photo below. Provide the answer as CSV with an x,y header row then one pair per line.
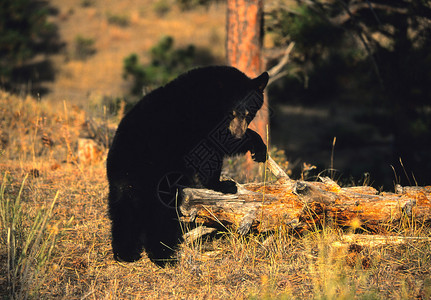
x,y
302,205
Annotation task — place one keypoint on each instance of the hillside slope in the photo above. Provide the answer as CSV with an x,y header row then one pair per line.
x,y
119,28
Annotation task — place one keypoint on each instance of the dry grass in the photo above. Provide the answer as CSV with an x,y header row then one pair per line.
x,y
319,265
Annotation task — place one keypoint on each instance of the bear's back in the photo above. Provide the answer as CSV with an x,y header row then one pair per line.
x,y
200,91
193,102
171,120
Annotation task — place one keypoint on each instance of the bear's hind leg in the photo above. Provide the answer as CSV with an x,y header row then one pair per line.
x,y
162,241
127,230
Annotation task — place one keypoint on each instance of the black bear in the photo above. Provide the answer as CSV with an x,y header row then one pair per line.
x,y
175,134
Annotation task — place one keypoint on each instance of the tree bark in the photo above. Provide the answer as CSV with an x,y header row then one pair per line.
x,y
244,47
303,206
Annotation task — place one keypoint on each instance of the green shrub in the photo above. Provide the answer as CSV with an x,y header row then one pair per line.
x,y
84,47
162,7
166,63
87,3
24,33
118,20
192,4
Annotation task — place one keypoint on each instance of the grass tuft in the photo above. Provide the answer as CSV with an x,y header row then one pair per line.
x,y
28,241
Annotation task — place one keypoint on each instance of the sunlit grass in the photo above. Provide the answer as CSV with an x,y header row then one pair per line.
x,y
55,236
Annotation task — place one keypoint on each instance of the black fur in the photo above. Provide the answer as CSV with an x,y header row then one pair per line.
x,y
172,134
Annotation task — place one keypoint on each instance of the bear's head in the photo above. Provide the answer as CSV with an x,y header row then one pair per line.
x,y
246,109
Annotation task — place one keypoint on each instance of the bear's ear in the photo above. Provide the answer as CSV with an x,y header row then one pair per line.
x,y
261,81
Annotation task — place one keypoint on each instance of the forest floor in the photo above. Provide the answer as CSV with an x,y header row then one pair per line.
x,y
55,235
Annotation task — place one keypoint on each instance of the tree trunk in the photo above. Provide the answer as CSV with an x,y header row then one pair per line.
x,y
244,47
301,206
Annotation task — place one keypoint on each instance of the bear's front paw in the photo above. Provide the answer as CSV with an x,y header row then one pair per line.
x,y
226,187
260,154
259,157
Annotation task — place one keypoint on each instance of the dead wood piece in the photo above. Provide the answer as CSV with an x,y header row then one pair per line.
x,y
303,205
196,233
278,172
377,240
